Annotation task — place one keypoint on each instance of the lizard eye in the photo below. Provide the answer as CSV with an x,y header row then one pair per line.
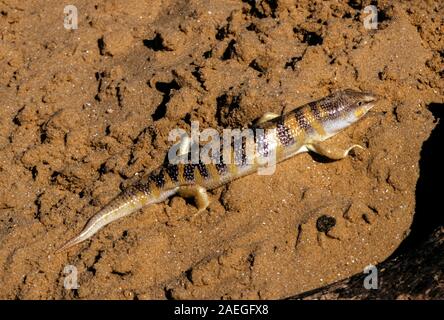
x,y
360,103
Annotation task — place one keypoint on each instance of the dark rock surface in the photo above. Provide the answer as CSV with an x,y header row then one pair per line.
x,y
418,274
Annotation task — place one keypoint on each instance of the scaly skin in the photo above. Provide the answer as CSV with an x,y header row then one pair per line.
x,y
302,129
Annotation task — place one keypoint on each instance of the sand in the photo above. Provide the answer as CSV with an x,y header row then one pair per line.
x,y
86,112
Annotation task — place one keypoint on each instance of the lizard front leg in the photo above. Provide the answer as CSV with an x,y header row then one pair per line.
x,y
330,151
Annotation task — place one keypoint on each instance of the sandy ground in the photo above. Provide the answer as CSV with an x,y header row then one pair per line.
x,y
85,112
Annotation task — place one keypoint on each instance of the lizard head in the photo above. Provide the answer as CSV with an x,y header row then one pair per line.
x,y
357,103
345,108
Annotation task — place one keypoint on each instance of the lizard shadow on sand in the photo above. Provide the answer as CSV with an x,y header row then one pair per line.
x,y
321,159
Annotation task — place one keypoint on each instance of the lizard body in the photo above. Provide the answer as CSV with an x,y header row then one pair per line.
x,y
300,130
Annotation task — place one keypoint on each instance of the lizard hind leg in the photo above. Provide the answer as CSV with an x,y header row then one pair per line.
x,y
199,194
331,152
266,117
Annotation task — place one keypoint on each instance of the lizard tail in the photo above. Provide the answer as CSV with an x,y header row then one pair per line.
x,y
124,204
119,207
